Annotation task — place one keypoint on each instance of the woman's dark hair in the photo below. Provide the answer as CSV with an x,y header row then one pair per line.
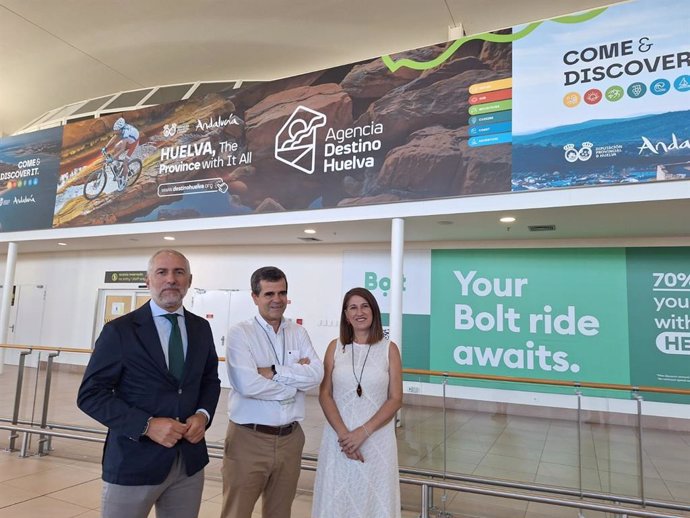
x,y
347,333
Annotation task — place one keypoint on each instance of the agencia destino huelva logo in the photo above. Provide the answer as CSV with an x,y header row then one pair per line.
x,y
296,139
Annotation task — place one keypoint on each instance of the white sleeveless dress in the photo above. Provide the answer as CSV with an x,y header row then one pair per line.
x,y
347,488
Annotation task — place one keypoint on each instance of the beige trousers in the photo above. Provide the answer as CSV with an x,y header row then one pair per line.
x,y
259,464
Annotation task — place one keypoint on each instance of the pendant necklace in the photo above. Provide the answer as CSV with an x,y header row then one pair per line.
x,y
361,372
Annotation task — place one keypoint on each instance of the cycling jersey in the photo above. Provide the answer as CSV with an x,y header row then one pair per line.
x,y
129,133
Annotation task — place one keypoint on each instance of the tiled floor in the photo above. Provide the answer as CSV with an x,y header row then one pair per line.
x,y
67,483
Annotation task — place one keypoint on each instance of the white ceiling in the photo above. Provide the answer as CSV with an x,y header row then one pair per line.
x,y
56,52
643,223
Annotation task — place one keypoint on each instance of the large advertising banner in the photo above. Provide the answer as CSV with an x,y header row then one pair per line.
x,y
606,315
176,161
605,100
552,314
28,175
659,315
353,135
599,97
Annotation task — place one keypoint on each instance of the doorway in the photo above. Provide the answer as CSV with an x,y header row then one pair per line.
x,y
26,320
115,303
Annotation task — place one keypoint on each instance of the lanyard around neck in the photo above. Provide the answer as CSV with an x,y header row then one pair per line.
x,y
273,347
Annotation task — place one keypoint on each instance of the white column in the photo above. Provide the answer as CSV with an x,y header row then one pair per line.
x,y
396,291
7,298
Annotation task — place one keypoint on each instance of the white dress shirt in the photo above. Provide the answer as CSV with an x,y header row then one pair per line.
x,y
164,328
278,401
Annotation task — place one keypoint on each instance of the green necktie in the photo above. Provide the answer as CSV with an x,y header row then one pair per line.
x,y
175,350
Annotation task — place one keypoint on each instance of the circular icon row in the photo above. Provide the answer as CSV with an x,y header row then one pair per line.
x,y
634,91
14,184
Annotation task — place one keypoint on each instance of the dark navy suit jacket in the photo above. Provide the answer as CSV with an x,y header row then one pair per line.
x,y
127,381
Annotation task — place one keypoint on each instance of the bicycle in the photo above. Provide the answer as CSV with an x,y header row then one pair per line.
x,y
95,182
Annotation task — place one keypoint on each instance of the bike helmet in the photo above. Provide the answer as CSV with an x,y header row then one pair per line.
x,y
119,124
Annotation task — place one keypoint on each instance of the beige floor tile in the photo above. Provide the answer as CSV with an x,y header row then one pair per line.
x,y
209,509
567,476
569,459
455,454
674,474
489,444
503,474
521,437
452,466
213,470
218,499
410,497
409,454
306,481
53,479
619,483
12,467
212,489
516,451
627,467
301,506
42,507
471,441
680,491
86,495
425,433
502,462
678,464
11,495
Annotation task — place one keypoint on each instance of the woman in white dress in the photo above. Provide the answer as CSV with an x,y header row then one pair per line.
x,y
357,472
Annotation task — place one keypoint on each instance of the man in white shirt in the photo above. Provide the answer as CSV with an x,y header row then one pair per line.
x,y
271,364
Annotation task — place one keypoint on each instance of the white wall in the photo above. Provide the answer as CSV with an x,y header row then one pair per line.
x,y
72,281
314,272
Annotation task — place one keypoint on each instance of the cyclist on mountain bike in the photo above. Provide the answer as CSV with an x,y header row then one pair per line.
x,y
129,141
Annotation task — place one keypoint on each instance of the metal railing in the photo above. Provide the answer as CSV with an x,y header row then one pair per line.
x,y
433,479
577,386
556,383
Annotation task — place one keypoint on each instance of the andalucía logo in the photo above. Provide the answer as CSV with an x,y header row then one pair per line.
x,y
573,155
296,140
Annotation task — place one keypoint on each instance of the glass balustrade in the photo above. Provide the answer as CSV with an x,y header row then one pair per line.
x,y
587,444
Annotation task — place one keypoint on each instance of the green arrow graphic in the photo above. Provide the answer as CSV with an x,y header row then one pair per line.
x,y
488,36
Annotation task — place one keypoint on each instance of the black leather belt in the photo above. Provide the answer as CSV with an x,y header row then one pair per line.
x,y
272,430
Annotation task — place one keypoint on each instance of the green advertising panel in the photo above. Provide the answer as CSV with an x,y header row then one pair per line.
x,y
659,297
415,337
558,314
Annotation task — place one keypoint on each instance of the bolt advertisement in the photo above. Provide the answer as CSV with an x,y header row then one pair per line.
x,y
551,313
659,315
601,315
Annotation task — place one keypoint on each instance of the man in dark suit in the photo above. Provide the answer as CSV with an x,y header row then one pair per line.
x,y
153,381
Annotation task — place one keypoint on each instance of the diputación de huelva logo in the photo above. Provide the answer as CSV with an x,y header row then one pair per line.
x,y
572,154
